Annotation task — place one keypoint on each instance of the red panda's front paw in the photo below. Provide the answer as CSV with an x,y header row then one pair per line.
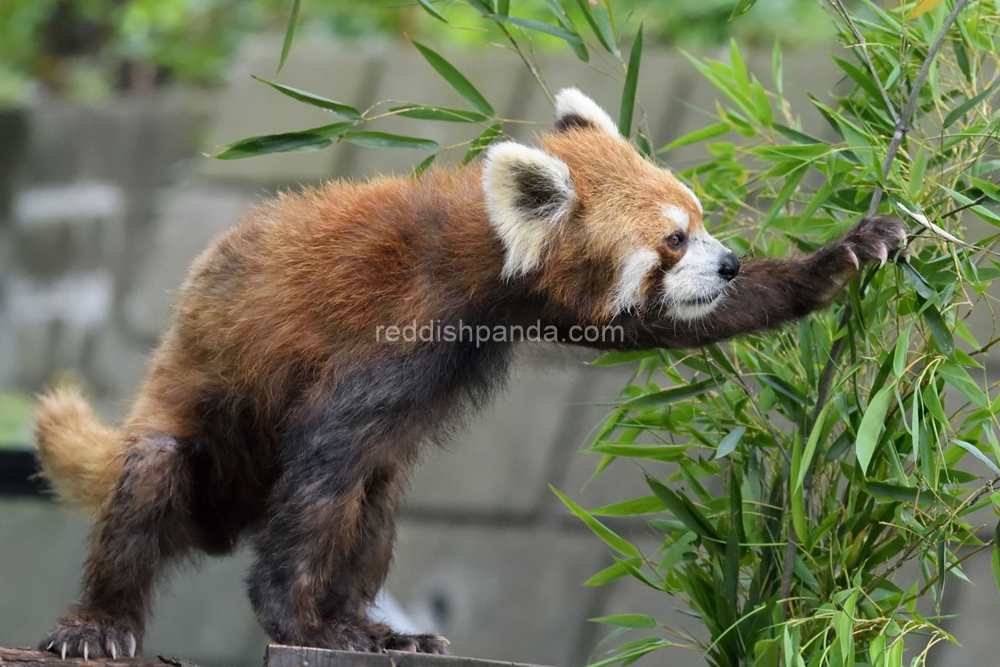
x,y
875,239
434,644
81,634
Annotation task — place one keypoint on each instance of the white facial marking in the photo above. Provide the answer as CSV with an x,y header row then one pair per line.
x,y
678,216
627,293
524,233
571,102
693,196
691,289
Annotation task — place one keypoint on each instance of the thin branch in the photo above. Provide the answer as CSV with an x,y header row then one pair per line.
x,y
903,122
976,202
838,5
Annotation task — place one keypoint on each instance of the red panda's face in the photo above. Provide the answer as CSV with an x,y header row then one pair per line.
x,y
602,228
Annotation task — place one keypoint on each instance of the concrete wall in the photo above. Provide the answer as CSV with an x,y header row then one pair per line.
x,y
111,204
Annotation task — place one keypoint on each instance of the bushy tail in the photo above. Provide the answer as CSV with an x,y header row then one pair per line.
x,y
79,455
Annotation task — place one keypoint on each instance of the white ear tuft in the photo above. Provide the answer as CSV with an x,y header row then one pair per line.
x,y
528,192
574,109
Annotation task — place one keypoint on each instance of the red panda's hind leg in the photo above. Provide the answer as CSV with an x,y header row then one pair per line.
x,y
143,527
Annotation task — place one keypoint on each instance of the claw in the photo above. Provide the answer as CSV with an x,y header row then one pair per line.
x,y
131,645
86,651
51,644
113,650
64,650
854,259
883,255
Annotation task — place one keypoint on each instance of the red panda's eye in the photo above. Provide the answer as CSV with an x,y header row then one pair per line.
x,y
676,240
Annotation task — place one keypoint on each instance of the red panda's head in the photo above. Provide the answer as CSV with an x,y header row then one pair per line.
x,y
598,227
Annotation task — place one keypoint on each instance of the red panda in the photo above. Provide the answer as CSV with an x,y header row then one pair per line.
x,y
275,411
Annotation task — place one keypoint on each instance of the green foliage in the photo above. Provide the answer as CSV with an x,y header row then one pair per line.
x,y
15,420
852,456
83,49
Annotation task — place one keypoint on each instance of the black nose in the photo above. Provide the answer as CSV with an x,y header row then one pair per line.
x,y
729,266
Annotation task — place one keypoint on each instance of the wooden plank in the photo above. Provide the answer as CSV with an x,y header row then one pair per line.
x,y
299,656
20,657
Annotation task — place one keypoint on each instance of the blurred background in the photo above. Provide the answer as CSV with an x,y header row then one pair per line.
x,y
108,109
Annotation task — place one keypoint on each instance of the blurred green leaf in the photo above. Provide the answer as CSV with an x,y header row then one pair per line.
x,y
629,89
627,620
429,8
286,46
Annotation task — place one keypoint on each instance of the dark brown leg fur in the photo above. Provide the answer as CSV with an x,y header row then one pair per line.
x,y
142,528
323,557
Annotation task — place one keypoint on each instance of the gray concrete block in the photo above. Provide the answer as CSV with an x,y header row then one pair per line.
x,y
132,140
188,220
497,593
249,108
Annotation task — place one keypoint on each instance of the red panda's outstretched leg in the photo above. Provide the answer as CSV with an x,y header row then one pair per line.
x,y
142,527
769,292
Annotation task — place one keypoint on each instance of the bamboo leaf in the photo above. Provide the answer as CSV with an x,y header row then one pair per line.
x,y
871,425
423,166
629,89
962,108
571,38
609,536
704,133
972,449
600,25
429,8
288,142
286,46
627,621
729,443
636,507
461,85
685,512
343,110
480,143
386,140
668,396
439,113
741,8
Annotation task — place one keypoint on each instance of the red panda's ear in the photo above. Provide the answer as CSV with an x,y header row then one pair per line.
x,y
574,109
528,192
